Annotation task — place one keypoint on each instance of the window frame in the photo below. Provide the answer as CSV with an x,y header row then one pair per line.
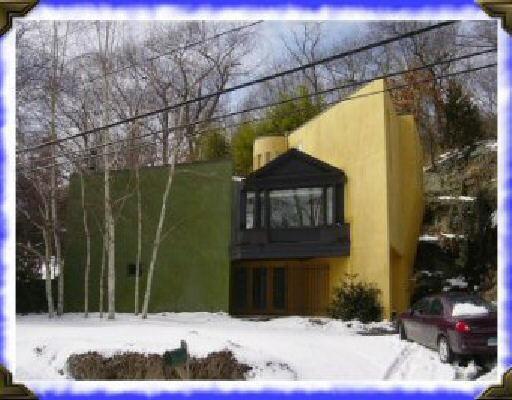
x,y
302,209
262,213
430,308
246,209
417,309
131,270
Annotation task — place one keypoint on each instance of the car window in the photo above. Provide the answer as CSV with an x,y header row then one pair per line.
x,y
421,306
436,307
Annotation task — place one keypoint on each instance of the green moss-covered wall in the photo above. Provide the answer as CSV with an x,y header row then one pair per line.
x,y
192,269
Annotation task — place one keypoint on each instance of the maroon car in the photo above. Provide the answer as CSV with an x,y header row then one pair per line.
x,y
453,324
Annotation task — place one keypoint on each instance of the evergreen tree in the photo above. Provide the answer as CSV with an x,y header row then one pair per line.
x,y
213,146
241,147
481,250
278,120
463,120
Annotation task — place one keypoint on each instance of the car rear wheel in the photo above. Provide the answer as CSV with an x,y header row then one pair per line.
x,y
401,332
445,353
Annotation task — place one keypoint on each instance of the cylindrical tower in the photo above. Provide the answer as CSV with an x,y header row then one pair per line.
x,y
267,148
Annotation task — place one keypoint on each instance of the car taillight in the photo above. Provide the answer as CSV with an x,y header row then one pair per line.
x,y
462,327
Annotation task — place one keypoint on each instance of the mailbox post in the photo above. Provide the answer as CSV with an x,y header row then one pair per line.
x,y
178,357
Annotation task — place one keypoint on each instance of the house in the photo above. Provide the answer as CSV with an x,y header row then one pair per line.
x,y
192,270
341,194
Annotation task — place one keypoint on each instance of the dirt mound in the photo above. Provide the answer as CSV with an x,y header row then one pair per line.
x,y
221,365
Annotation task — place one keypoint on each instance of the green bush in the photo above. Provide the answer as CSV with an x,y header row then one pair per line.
x,y
356,300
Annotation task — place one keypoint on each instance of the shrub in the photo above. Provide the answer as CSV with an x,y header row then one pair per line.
x,y
220,365
356,300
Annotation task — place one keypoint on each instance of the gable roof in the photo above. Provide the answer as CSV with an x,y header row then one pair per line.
x,y
294,163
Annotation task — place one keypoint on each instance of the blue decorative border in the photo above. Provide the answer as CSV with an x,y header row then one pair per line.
x,y
307,5
398,5
3,216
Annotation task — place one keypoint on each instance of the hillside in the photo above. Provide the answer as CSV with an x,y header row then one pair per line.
x,y
458,244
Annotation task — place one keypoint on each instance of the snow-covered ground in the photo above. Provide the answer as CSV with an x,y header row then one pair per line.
x,y
291,348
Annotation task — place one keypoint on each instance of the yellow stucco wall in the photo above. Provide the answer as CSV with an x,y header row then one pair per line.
x,y
267,148
381,155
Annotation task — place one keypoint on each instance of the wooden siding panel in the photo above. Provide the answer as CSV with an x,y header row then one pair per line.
x,y
307,290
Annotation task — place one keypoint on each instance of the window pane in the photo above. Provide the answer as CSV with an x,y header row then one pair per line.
x,y
259,288
249,210
279,286
422,306
262,209
132,270
436,308
329,205
302,207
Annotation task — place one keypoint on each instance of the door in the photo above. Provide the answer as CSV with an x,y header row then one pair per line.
x,y
279,285
259,289
308,290
414,324
239,298
279,290
432,321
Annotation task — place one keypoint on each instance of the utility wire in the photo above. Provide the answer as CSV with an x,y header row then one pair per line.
x,y
179,48
244,85
444,76
173,50
292,99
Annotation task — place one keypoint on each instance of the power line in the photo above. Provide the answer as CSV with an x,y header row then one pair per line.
x,y
179,48
444,76
245,84
284,101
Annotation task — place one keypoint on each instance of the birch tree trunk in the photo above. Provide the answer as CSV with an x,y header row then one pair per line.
x,y
156,243
109,219
53,177
48,275
87,249
139,238
102,275
165,139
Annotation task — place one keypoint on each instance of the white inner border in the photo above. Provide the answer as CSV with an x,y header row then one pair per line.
x,y
7,49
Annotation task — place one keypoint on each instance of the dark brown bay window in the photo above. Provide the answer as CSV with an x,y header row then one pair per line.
x,y
293,207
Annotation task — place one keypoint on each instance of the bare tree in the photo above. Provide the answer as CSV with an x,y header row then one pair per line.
x,y
35,197
57,66
158,233
39,83
102,274
129,99
191,72
304,47
426,51
105,45
201,70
